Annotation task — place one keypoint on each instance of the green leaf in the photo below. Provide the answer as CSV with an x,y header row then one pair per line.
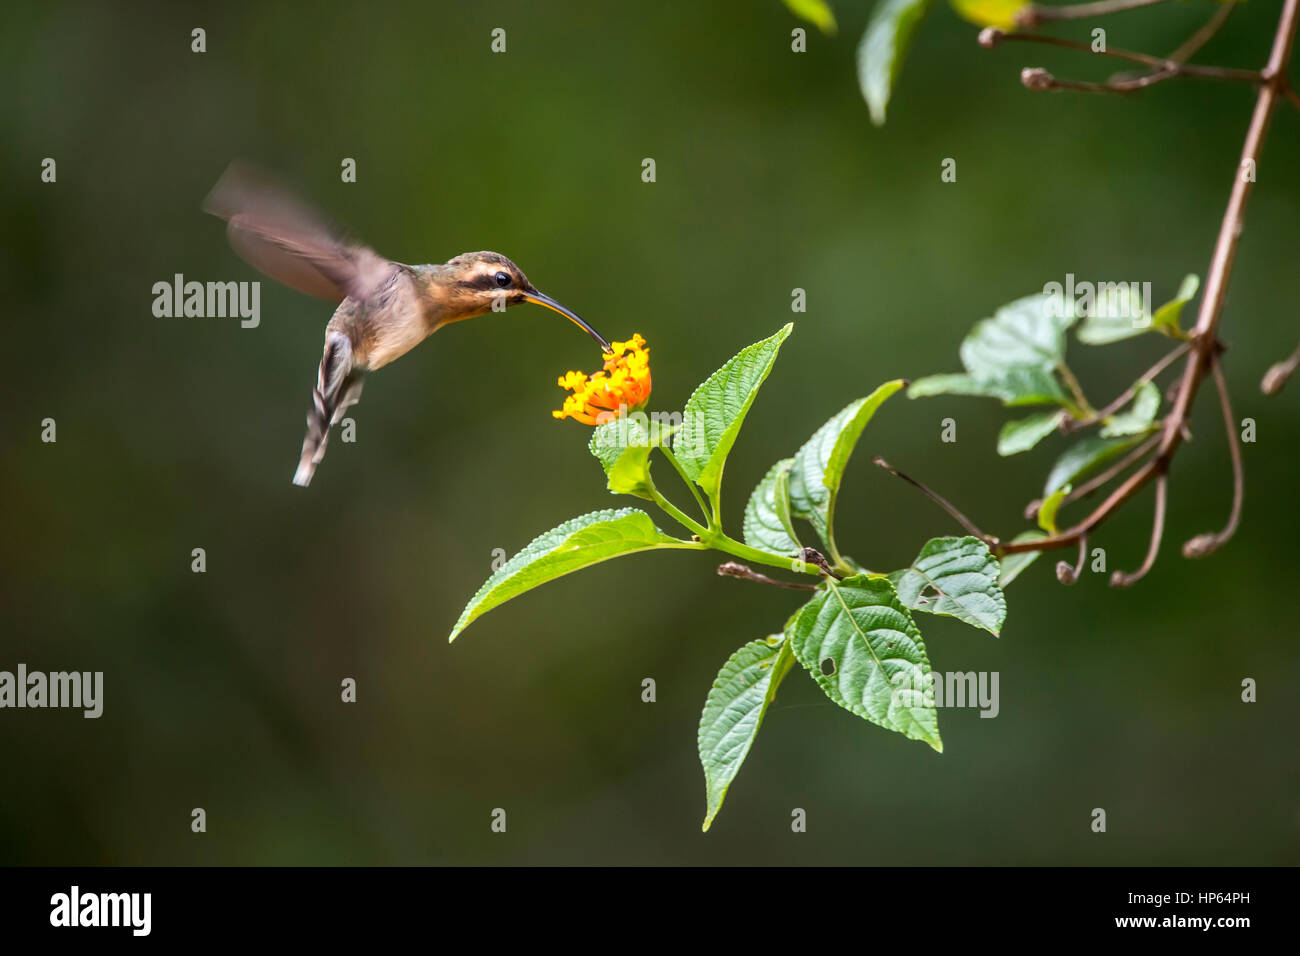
x,y
1014,564
734,710
1014,387
816,12
874,651
883,47
1140,416
955,577
578,543
1025,433
1117,312
1168,317
767,514
1079,459
819,465
1050,506
623,447
1113,313
1011,356
990,13
717,409
1029,332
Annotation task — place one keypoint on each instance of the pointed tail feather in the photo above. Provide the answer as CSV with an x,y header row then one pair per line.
x,y
338,386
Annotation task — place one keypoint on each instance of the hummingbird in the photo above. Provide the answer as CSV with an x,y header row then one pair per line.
x,y
385,308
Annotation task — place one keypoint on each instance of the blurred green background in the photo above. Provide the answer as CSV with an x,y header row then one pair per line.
x,y
222,689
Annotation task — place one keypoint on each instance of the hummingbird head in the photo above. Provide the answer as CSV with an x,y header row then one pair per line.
x,y
482,282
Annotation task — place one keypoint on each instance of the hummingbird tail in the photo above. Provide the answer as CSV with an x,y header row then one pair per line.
x,y
338,386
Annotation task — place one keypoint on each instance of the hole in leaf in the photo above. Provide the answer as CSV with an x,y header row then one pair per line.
x,y
828,666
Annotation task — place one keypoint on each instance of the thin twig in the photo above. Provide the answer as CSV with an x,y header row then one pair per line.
x,y
1204,544
991,37
734,569
1033,14
939,500
1091,485
1278,373
1121,579
1069,575
1039,80
1073,424
1075,388
1203,36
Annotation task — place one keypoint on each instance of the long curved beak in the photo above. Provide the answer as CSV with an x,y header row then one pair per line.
x,y
537,298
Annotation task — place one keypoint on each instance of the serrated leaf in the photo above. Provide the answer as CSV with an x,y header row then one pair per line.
x,y
734,710
816,12
1012,356
1141,414
990,13
1083,457
717,409
1026,333
623,447
578,543
883,48
1025,433
879,667
1013,387
1050,506
819,465
1169,316
1014,564
955,577
767,514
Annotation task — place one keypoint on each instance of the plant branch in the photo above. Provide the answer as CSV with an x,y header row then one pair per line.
x,y
1278,373
1122,579
1203,353
1039,80
1030,16
1075,388
734,569
939,500
1124,397
1093,484
695,491
992,36
1204,544
677,514
1203,36
1069,575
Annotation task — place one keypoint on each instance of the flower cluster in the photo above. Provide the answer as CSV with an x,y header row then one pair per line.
x,y
624,381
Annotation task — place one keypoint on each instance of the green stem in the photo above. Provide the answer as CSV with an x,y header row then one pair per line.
x,y
721,542
677,514
1084,410
695,491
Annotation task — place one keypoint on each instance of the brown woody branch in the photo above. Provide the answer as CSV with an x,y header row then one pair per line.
x,y
1203,353
1030,16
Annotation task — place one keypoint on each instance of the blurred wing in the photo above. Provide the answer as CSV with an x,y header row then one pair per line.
x,y
286,239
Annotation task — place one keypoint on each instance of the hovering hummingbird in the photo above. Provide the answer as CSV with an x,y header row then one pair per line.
x,y
385,308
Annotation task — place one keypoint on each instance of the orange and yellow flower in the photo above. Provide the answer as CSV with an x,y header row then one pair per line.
x,y
624,381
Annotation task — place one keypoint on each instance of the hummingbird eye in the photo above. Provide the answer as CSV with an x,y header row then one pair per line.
x,y
502,279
